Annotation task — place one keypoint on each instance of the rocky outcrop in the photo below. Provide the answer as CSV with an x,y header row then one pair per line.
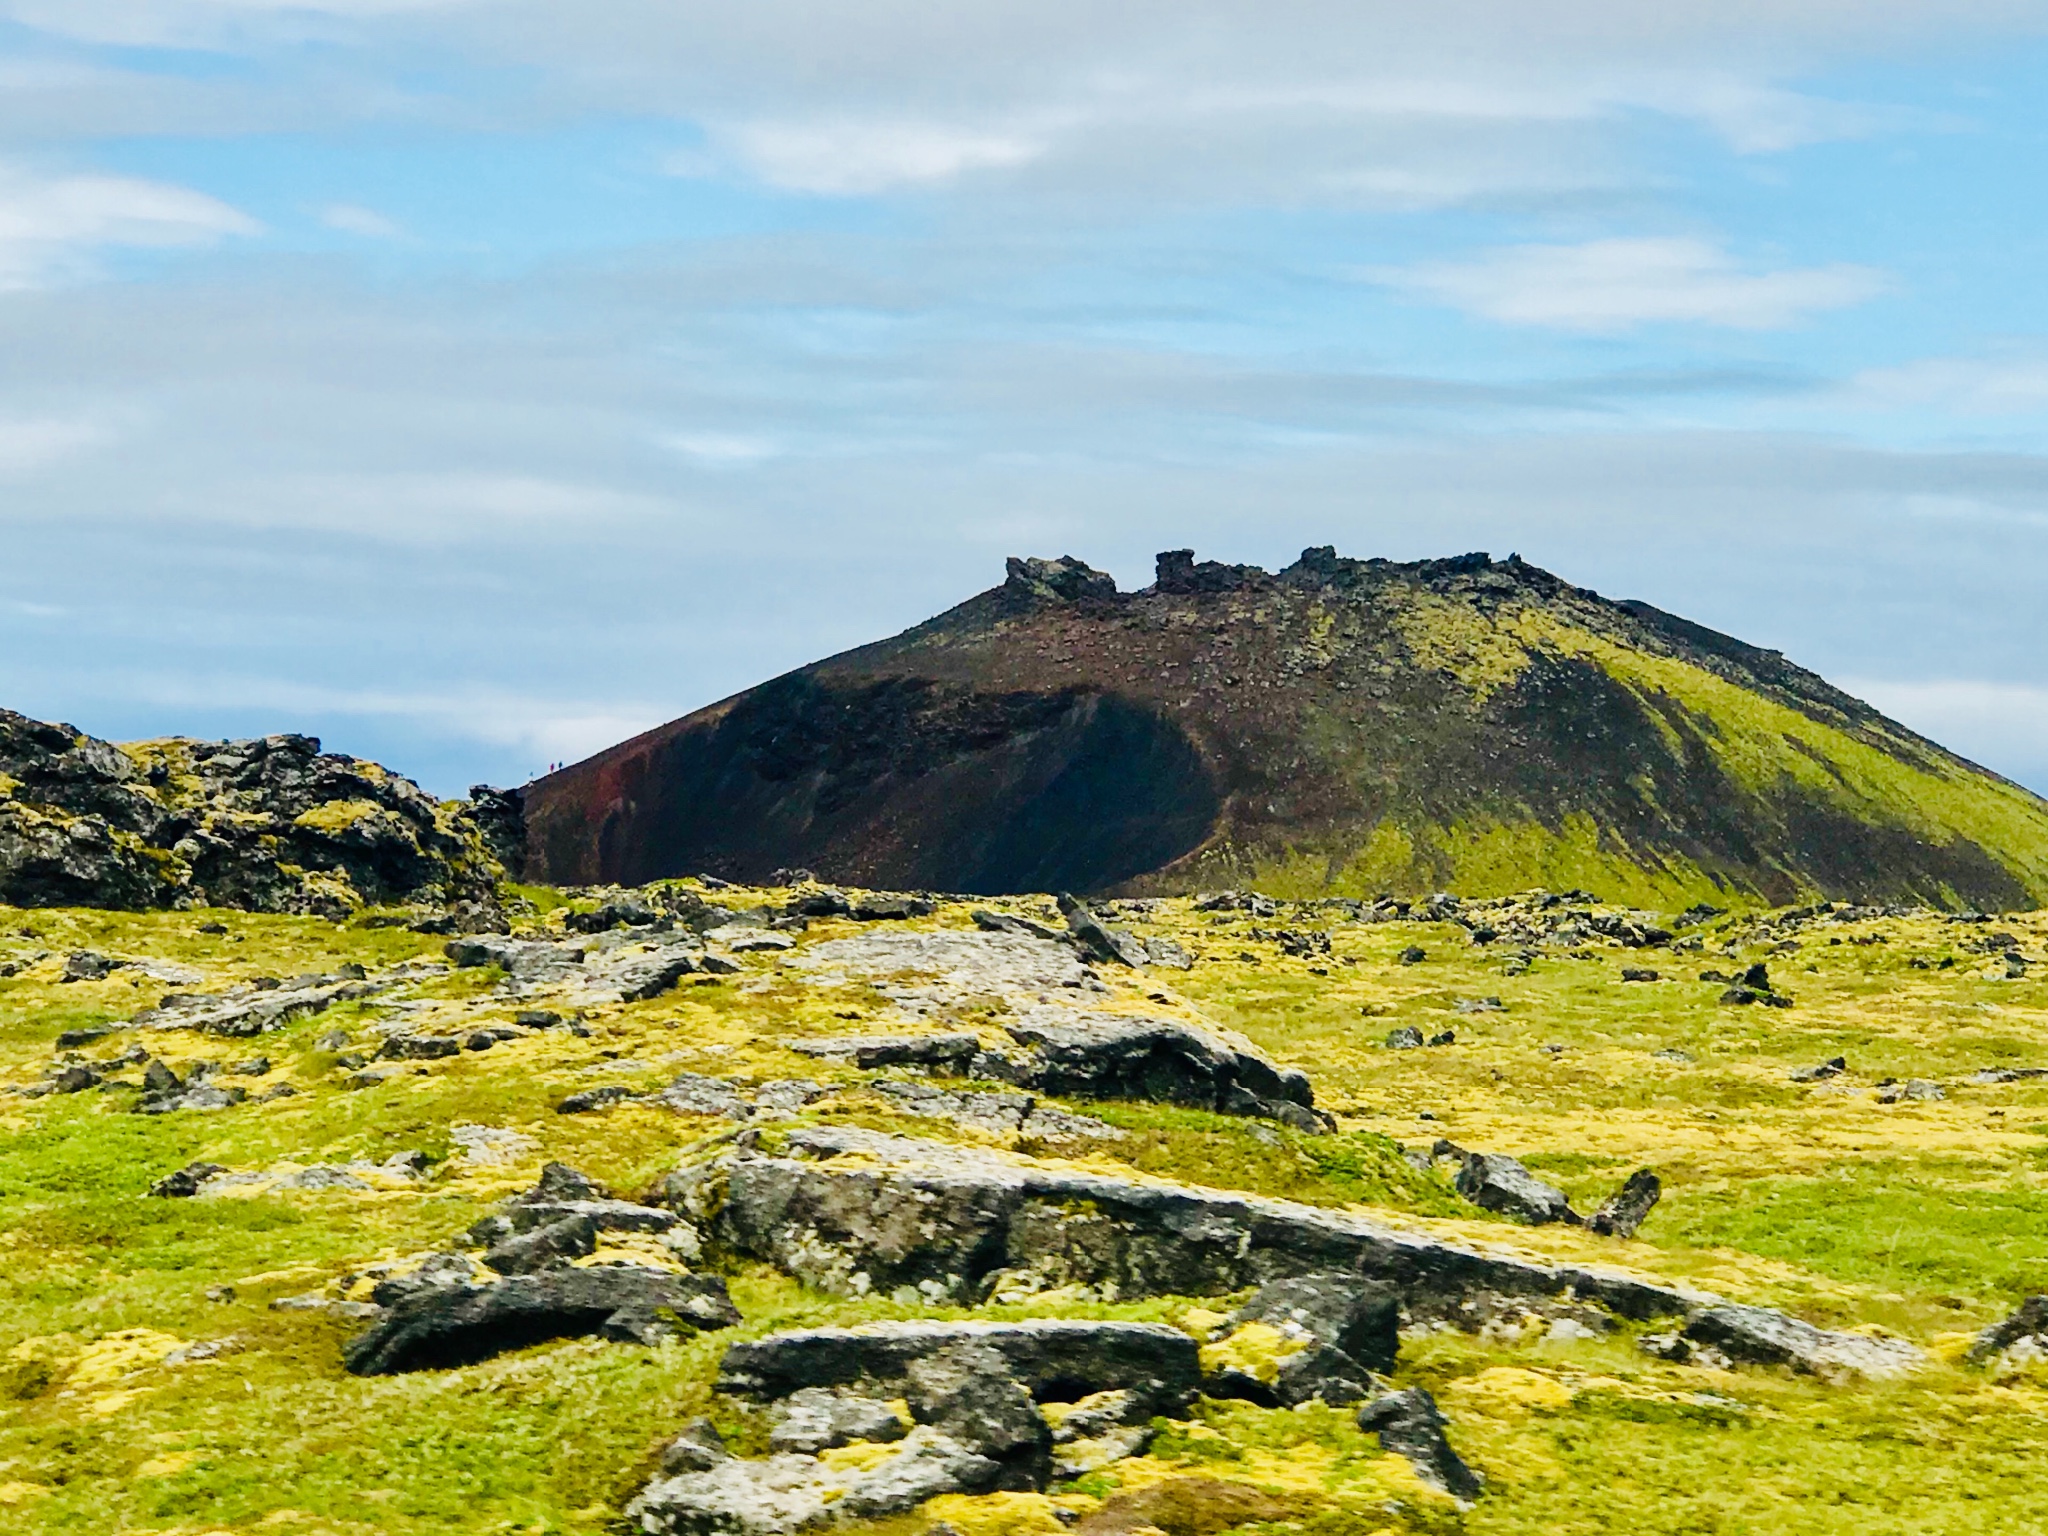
x,y
859,1212
271,824
256,1008
855,1211
993,1406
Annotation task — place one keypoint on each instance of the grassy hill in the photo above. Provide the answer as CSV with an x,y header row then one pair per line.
x,y
1340,727
1923,1219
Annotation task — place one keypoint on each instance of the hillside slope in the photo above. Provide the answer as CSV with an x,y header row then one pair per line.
x,y
1342,727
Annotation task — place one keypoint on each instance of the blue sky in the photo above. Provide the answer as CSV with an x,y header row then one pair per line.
x,y
475,382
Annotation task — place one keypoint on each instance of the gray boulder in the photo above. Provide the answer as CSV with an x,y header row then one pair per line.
x,y
1104,943
967,1392
1345,1329
1761,1336
814,1419
1079,1054
1410,1426
462,1324
1495,1182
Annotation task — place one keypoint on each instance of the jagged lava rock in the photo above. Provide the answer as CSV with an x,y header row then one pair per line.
x,y
270,824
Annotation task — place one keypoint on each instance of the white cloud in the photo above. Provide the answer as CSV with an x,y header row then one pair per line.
x,y
30,443
353,219
850,158
722,450
1981,386
49,225
426,508
1615,285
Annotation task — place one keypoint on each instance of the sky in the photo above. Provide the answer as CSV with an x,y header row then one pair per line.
x,y
474,383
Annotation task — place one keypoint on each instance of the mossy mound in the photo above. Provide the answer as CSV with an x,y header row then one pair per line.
x,y
1340,727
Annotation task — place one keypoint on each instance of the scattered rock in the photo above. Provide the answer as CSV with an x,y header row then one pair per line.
x,y
885,909
1761,1336
1414,954
1638,973
1624,1211
1002,922
1479,1005
1410,1426
594,1098
186,1181
1009,1114
1405,1038
698,1448
1496,1182
1835,1066
1077,1054
1916,1089
257,1008
943,1053
1102,942
2022,1335
87,965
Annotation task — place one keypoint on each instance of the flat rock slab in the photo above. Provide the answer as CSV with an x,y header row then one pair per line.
x,y
250,1010
457,1325
855,1211
1072,1358
1762,1336
929,971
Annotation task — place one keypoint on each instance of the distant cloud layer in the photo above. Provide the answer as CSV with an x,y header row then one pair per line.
x,y
1613,285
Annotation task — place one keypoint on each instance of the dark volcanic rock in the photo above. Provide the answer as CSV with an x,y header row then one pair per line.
x,y
1622,1212
2027,1326
459,1325
1761,1336
1051,1358
1499,1183
1410,1426
1114,1056
1348,1329
945,1053
270,824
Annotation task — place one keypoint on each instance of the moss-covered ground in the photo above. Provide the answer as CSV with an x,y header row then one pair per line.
x,y
1928,1219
